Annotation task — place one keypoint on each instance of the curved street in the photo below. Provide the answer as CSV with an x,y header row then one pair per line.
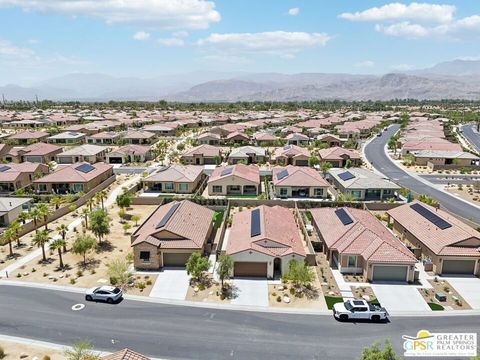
x,y
469,131
375,154
179,332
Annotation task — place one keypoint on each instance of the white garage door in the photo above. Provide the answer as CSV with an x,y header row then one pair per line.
x,y
389,273
458,267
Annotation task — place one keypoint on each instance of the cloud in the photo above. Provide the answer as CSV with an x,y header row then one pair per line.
x,y
180,34
397,11
404,29
11,51
469,58
141,36
294,11
171,42
281,43
365,64
159,14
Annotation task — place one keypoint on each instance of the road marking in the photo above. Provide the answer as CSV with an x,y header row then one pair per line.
x,y
78,307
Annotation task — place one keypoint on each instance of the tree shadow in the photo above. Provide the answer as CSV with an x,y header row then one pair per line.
x,y
230,291
104,246
65,267
89,265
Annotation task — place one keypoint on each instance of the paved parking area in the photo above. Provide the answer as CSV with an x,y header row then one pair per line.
x,y
398,297
251,292
172,283
468,287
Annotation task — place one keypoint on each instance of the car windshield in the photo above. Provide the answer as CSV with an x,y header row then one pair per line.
x,y
348,306
116,290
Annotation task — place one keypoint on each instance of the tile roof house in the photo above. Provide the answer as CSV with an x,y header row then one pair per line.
x,y
202,155
75,178
104,138
248,155
182,179
291,155
29,136
330,139
339,157
441,157
262,241
167,129
297,139
354,241
431,233
362,184
83,153
4,150
265,139
16,176
11,207
237,179
35,153
208,138
125,354
130,153
236,137
171,234
67,138
299,182
139,137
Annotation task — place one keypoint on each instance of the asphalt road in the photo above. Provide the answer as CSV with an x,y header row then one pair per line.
x,y
375,154
469,131
450,179
181,332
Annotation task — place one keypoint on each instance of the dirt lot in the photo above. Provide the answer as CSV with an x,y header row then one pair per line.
x,y
15,351
363,292
94,272
465,192
208,294
327,281
449,291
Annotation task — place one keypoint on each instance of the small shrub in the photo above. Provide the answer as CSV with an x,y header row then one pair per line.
x,y
222,296
45,274
201,287
113,280
274,294
46,357
2,353
446,289
146,277
279,298
33,270
19,275
79,273
141,286
292,291
149,282
93,271
72,281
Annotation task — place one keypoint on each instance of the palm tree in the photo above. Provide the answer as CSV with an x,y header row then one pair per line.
x,y
63,229
85,213
57,245
35,215
40,239
22,217
7,237
15,227
90,203
44,211
100,196
56,201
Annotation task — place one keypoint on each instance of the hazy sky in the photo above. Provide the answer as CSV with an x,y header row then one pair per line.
x,y
44,38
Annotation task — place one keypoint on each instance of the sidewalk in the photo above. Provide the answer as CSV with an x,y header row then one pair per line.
x,y
344,287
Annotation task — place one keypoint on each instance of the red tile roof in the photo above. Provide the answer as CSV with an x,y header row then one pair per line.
x,y
247,172
298,176
70,174
125,354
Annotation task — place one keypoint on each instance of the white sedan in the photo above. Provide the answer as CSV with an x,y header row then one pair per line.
x,y
110,294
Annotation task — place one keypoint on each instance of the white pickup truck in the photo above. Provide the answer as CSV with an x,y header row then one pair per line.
x,y
358,310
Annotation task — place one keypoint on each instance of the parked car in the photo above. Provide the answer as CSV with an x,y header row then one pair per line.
x,y
359,310
110,294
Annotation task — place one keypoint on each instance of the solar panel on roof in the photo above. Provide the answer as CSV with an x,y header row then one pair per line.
x,y
226,171
282,174
167,216
343,216
4,168
85,168
255,223
287,147
347,175
430,216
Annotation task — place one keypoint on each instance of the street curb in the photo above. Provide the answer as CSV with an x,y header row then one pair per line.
x,y
258,309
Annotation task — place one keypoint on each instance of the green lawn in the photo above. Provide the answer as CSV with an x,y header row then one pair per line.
x,y
331,300
217,219
436,307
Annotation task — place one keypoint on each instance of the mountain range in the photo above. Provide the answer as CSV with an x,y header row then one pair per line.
x,y
458,79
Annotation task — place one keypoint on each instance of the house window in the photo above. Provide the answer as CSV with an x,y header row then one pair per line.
x,y
283,191
318,192
77,187
42,187
217,188
183,187
387,192
357,194
169,186
352,261
145,256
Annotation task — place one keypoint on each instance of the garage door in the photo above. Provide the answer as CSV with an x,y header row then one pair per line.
x,y
302,162
115,160
390,273
255,269
175,259
458,267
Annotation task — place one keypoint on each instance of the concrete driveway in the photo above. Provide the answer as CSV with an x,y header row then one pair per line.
x,y
250,292
398,297
468,287
172,283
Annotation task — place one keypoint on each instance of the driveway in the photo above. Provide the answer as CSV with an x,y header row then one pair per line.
x,y
468,287
172,283
398,297
250,292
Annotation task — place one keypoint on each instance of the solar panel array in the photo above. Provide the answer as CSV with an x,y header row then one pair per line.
x,y
167,216
343,216
347,175
255,223
85,168
226,171
430,216
282,174
4,168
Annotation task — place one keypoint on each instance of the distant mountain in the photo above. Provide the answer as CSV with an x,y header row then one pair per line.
x,y
458,79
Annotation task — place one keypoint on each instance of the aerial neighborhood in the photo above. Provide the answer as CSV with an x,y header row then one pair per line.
x,y
265,209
